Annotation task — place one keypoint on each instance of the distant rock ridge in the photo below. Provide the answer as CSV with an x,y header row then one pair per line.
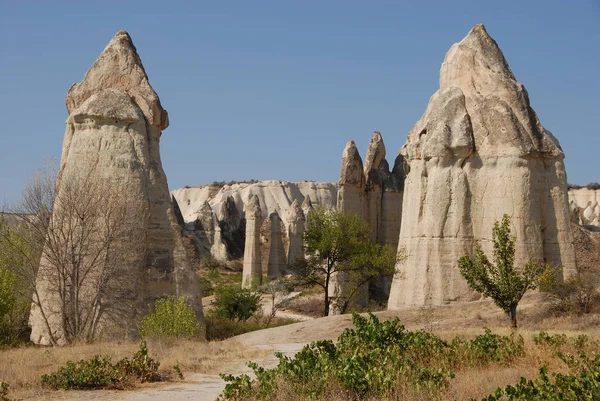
x,y
228,223
479,151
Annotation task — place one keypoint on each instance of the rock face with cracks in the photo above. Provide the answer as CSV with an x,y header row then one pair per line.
x,y
112,136
478,152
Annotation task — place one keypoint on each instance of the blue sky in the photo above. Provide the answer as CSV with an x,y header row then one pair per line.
x,y
274,90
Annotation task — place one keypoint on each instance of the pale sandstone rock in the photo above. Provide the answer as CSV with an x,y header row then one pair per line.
x,y
307,206
252,269
277,256
479,151
273,195
585,206
297,224
351,199
112,135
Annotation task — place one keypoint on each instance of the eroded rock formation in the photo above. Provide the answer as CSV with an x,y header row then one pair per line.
x,y
277,255
584,203
297,224
112,140
228,242
252,269
374,193
479,151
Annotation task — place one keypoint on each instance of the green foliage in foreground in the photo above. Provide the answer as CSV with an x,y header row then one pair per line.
x,y
99,372
372,360
172,317
583,383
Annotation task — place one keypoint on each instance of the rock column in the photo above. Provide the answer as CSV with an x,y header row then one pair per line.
x,y
277,261
297,223
252,269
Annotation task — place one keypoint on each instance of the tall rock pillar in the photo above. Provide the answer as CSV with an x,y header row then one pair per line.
x,y
478,152
351,199
297,223
112,141
252,269
277,260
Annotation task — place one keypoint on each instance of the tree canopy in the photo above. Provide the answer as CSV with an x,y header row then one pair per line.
x,y
340,243
500,280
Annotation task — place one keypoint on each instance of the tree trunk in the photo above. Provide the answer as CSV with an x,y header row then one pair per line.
x,y
327,277
512,314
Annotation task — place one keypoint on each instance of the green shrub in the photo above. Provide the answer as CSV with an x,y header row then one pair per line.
x,y
235,303
100,372
171,317
373,360
582,383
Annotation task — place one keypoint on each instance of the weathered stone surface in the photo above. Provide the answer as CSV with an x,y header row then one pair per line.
x,y
112,135
479,151
277,256
585,206
273,195
307,206
297,224
252,269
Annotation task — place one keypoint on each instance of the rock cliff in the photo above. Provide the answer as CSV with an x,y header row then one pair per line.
x,y
479,151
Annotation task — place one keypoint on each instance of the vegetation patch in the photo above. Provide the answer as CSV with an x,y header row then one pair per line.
x,y
372,361
99,372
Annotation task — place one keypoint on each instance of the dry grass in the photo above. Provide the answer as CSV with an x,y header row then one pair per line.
x,y
23,367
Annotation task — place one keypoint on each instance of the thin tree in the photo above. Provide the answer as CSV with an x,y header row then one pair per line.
x,y
86,252
340,243
500,280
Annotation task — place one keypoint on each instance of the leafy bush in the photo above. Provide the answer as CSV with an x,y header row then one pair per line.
x,y
100,372
172,317
582,383
373,360
235,303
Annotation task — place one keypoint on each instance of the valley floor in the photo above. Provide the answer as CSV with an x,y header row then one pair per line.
x,y
466,320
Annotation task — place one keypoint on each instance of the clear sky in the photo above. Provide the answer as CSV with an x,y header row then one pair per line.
x,y
274,90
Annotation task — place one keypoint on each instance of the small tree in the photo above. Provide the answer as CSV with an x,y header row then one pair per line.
x,y
500,280
336,242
